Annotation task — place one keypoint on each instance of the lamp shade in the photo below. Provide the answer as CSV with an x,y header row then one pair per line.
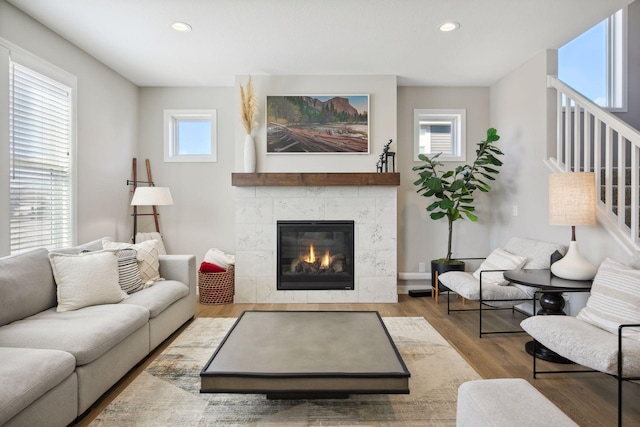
x,y
572,198
151,196
572,201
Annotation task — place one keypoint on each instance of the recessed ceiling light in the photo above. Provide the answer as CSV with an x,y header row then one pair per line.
x,y
181,26
449,26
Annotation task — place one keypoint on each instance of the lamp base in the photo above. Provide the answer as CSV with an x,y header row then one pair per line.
x,y
573,265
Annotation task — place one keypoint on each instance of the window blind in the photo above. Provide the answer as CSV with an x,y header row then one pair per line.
x,y
441,139
40,126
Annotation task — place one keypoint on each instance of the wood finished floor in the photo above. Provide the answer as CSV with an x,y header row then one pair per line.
x,y
588,398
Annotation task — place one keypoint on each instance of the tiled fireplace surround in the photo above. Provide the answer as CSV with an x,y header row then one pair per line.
x,y
373,208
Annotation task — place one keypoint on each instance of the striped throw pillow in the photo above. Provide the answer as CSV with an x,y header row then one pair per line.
x,y
147,253
129,273
614,299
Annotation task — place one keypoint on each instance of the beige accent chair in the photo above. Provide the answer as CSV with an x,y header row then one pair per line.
x,y
487,285
605,335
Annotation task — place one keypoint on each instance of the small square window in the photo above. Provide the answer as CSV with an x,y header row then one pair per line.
x,y
190,136
440,131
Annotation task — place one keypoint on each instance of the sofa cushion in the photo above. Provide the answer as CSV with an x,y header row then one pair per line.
x,y
26,285
538,253
86,279
158,297
584,343
86,333
153,235
498,260
467,286
26,374
614,299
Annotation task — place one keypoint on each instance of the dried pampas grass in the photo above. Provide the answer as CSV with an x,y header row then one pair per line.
x,y
249,105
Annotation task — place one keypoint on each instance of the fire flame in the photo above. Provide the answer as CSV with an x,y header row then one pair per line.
x,y
311,258
325,260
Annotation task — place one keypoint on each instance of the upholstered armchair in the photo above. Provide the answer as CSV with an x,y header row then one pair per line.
x,y
487,284
605,335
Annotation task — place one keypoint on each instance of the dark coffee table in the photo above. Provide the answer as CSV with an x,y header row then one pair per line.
x,y
306,354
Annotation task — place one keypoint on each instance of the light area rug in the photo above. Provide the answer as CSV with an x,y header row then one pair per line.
x,y
167,393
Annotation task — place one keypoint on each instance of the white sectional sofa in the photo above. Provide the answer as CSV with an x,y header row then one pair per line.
x,y
55,365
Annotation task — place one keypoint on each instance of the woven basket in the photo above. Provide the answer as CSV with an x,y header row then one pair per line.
x,y
216,288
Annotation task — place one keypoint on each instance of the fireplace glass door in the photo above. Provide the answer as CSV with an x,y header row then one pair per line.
x,y
315,255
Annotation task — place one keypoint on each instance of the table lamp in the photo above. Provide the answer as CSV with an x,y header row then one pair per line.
x,y
148,196
572,201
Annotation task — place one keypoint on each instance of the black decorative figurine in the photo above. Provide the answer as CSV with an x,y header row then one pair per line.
x,y
383,162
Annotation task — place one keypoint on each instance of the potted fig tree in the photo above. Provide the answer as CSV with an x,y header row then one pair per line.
x,y
452,191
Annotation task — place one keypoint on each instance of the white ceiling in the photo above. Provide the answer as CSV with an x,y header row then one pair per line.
x,y
316,37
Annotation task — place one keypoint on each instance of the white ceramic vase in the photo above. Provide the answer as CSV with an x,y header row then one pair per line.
x,y
249,154
573,265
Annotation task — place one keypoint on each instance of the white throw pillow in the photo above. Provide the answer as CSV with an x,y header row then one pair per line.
x,y
499,260
538,252
154,235
86,279
614,299
147,254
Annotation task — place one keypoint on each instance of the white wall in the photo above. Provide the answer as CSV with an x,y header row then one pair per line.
x,y
421,239
202,216
518,108
107,126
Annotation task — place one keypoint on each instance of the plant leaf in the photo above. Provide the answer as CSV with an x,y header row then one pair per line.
x,y
446,204
437,215
471,217
433,206
434,183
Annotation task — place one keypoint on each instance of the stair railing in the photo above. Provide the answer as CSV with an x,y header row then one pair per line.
x,y
590,138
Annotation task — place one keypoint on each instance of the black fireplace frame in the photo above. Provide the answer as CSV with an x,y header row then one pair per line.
x,y
317,283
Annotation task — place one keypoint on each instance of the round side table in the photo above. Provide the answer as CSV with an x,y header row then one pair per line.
x,y
551,301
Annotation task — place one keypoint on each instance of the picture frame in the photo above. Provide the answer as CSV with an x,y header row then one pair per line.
x,y
317,124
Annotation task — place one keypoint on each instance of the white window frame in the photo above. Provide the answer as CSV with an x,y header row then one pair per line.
x,y
12,52
456,118
171,117
617,57
616,80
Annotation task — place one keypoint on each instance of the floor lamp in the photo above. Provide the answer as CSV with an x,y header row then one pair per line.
x,y
572,201
148,196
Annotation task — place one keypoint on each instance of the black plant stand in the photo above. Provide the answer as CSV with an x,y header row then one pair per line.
x,y
416,293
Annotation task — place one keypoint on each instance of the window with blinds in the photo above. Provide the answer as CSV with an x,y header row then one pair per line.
x,y
40,143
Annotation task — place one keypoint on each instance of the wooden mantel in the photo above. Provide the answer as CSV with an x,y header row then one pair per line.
x,y
301,179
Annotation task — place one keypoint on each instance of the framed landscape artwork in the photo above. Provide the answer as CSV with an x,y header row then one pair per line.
x,y
320,124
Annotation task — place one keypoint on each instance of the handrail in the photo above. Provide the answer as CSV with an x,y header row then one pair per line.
x,y
590,138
